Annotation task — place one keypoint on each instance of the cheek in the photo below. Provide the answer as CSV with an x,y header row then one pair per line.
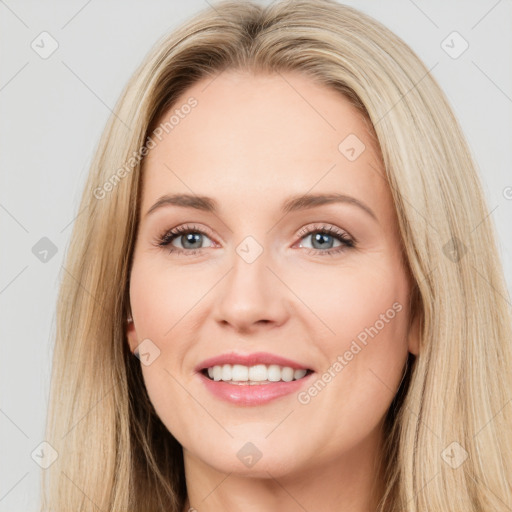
x,y
355,300
370,314
365,349
163,297
165,303
374,355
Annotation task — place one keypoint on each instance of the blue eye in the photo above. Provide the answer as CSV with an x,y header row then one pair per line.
x,y
324,237
192,238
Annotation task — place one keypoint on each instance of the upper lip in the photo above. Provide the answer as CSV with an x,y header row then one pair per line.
x,y
249,360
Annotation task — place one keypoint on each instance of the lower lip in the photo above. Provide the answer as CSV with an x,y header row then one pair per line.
x,y
252,394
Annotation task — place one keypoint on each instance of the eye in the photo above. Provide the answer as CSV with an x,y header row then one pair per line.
x,y
191,239
323,238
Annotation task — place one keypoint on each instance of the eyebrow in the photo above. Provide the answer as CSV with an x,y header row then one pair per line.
x,y
292,204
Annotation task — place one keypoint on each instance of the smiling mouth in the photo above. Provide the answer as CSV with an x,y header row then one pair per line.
x,y
259,374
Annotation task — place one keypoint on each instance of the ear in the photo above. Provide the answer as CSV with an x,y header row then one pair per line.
x,y
131,335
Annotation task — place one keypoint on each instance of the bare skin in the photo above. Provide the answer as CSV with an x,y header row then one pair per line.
x,y
250,144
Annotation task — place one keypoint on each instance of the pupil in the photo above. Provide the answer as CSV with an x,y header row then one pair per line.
x,y
321,238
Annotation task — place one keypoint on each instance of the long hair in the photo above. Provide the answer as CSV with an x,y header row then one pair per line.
x,y
448,432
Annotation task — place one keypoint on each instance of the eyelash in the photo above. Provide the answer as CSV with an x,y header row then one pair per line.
x,y
346,242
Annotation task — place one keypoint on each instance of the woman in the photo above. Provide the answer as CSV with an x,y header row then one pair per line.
x,y
337,335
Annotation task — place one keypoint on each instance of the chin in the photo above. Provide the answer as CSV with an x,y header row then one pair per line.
x,y
254,458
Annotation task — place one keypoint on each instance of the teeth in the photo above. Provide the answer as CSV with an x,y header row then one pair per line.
x,y
226,372
298,374
274,373
217,372
239,372
257,373
287,374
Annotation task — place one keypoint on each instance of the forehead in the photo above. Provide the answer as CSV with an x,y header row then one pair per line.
x,y
264,136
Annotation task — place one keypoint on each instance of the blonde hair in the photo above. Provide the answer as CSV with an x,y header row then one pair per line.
x,y
113,451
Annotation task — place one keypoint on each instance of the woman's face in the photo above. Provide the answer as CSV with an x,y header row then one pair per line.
x,y
268,278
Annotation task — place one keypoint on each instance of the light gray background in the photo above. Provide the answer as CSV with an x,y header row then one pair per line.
x,y
53,110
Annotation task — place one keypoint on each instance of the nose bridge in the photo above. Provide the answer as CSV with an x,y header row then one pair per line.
x,y
250,292
250,263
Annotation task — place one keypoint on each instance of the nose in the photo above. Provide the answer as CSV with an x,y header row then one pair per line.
x,y
251,297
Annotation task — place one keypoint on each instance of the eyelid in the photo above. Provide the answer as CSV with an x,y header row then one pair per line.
x,y
325,227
